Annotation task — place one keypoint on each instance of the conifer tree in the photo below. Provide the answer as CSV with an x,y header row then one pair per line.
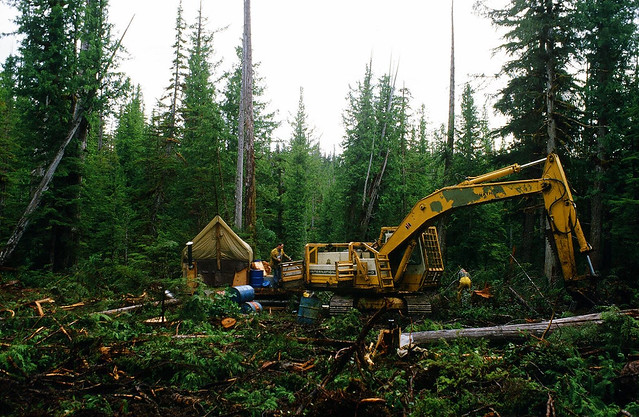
x,y
540,94
358,145
469,144
205,135
296,207
609,36
8,145
62,85
477,235
166,133
133,154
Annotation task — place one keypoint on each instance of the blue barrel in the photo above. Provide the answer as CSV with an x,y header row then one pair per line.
x,y
251,307
309,310
242,293
256,278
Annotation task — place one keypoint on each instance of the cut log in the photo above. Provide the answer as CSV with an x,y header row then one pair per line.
x,y
510,331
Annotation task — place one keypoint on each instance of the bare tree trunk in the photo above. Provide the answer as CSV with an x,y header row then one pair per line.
x,y
249,136
374,191
550,263
239,177
450,143
245,130
596,203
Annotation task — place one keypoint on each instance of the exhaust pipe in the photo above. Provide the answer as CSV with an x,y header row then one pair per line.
x,y
189,254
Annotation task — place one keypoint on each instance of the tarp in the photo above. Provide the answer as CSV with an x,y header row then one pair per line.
x,y
218,241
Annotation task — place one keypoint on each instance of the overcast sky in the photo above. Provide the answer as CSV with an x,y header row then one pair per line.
x,y
322,46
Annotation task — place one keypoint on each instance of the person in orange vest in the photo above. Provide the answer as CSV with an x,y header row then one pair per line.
x,y
277,255
464,282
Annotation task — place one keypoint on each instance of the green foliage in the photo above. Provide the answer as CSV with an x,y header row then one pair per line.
x,y
118,212
20,358
541,42
270,398
299,173
202,307
344,326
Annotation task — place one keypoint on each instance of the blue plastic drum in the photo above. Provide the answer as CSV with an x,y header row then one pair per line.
x,y
256,278
251,307
242,293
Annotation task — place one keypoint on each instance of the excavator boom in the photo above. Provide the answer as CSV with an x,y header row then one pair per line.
x,y
552,185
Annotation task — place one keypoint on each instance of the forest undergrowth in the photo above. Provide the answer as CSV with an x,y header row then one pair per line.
x,y
64,354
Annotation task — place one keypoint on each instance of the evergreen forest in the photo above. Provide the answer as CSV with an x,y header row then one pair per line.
x,y
100,189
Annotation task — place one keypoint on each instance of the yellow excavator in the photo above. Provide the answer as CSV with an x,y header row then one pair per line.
x,y
406,260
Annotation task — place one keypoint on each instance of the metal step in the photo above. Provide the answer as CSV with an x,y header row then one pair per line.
x,y
385,275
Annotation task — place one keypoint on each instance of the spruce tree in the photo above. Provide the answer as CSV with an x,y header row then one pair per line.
x,y
608,39
296,212
202,193
60,85
540,91
131,145
358,149
8,146
540,95
477,235
165,136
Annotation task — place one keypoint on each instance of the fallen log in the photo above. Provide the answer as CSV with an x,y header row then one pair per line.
x,y
510,331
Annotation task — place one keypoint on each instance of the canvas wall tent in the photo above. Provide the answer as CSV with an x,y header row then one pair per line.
x,y
219,255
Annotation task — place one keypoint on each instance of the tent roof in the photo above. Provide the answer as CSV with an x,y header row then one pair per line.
x,y
217,239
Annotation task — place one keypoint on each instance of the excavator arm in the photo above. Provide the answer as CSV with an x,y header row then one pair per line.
x,y
553,186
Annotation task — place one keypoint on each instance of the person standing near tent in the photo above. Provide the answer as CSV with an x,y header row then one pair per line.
x,y
277,255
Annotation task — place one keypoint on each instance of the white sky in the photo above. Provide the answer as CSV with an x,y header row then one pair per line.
x,y
322,46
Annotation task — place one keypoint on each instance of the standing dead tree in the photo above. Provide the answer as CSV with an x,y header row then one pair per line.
x,y
245,145
450,137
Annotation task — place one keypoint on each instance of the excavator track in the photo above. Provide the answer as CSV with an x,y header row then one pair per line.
x,y
418,304
340,304
414,304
